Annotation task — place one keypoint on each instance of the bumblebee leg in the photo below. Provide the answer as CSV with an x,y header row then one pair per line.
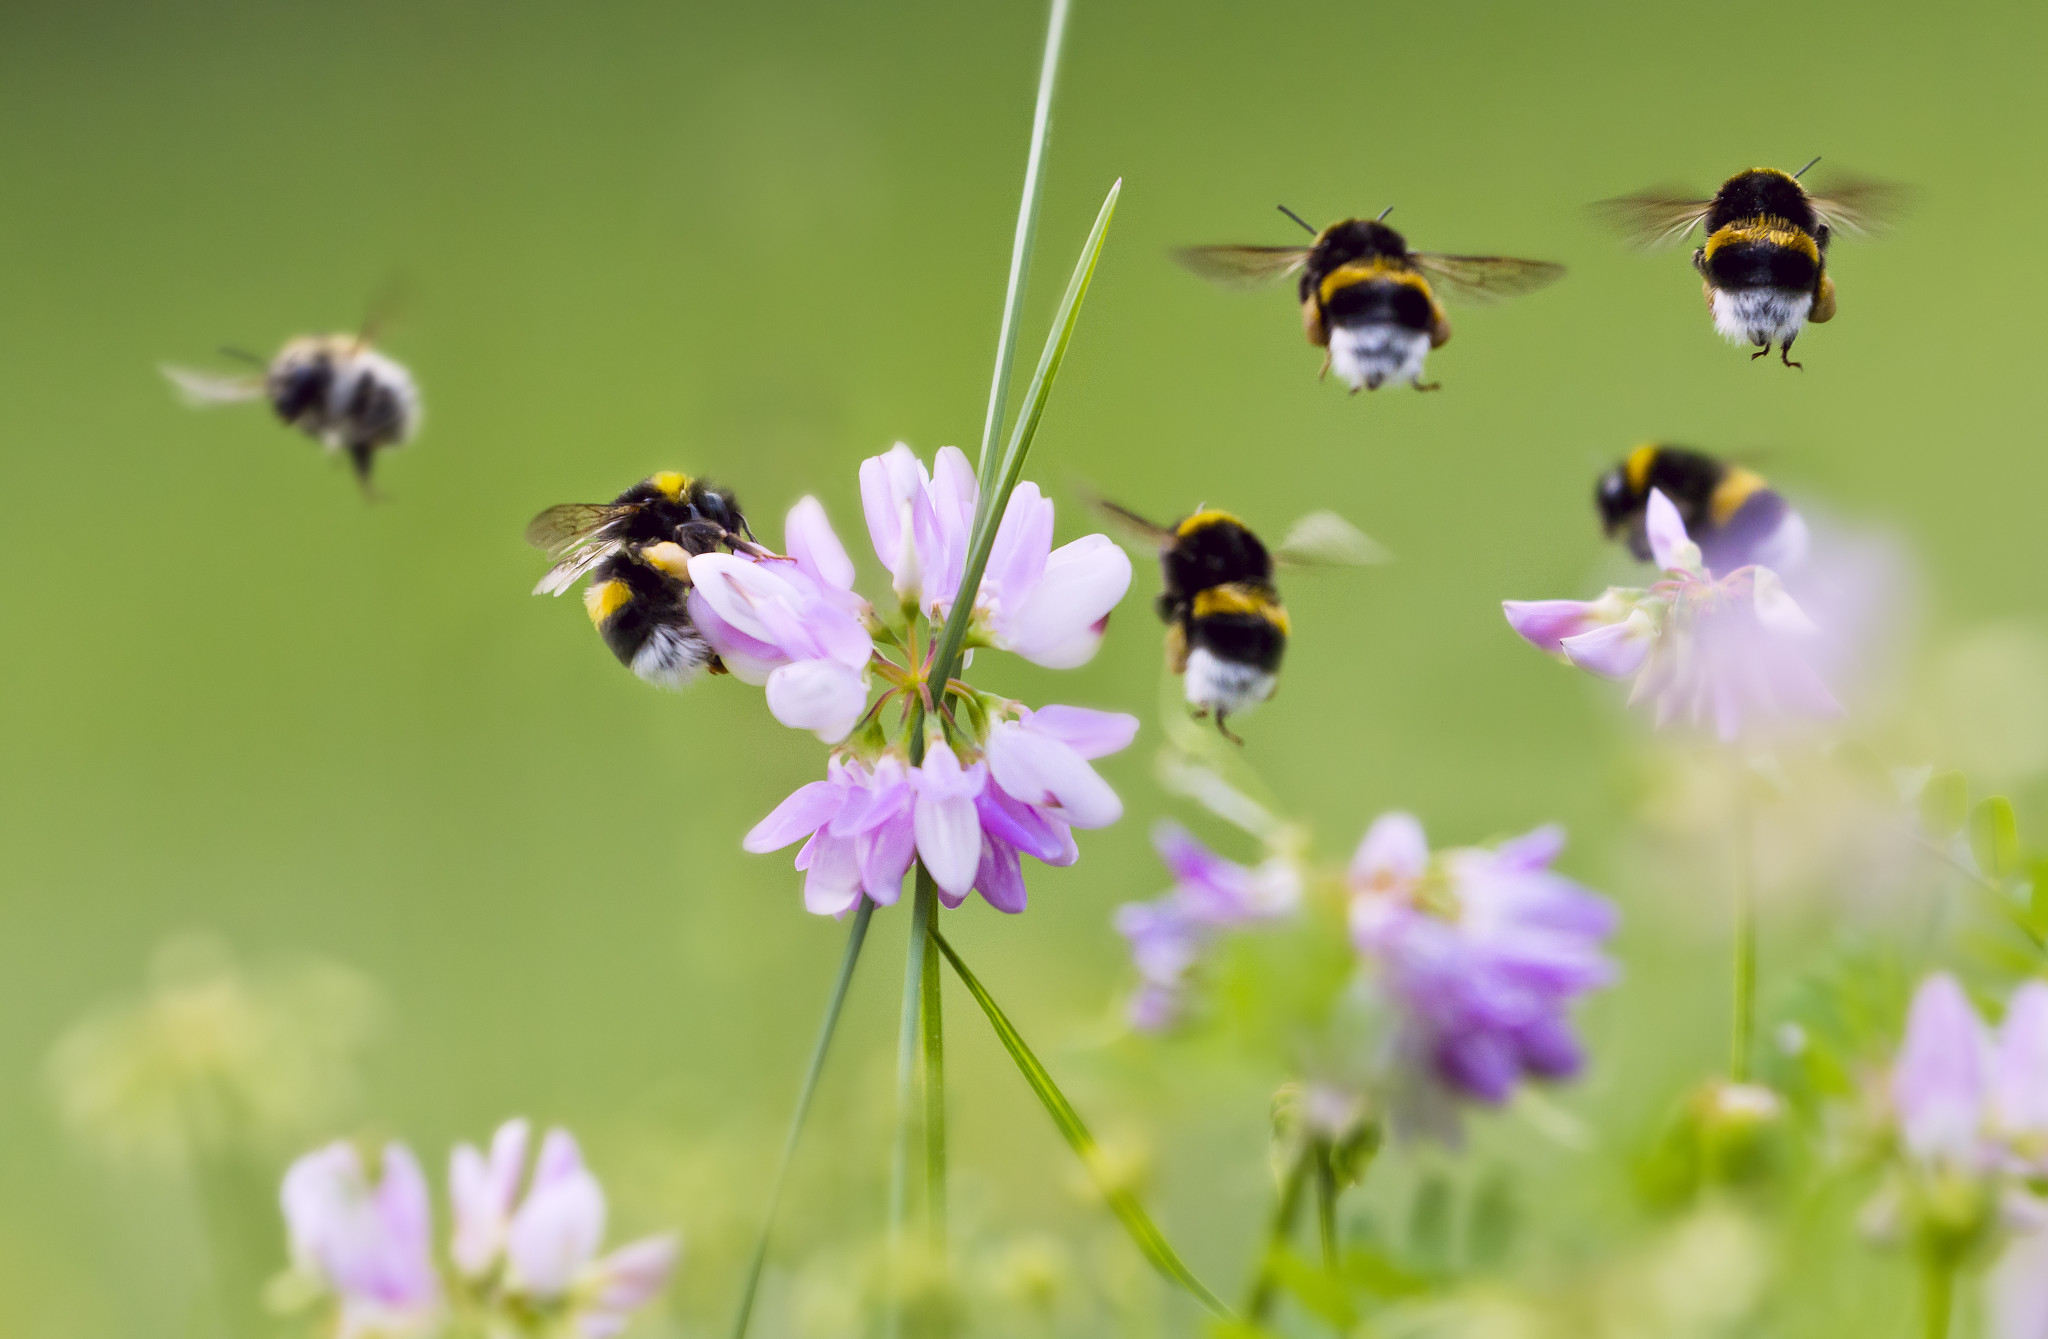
x,y
1225,730
1785,356
1326,366
1763,352
1427,385
360,456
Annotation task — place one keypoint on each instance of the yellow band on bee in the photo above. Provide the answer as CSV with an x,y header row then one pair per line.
x,y
668,556
1238,598
1771,231
1738,487
1362,271
1638,467
1203,519
605,598
671,483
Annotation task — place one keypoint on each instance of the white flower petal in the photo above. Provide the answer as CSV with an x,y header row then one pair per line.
x,y
822,696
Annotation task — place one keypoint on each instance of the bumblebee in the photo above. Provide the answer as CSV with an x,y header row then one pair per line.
x,y
1730,512
636,550
334,388
1368,301
1226,629
1763,267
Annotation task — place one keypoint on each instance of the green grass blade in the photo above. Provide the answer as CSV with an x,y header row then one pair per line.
x,y
934,1101
1027,229
995,492
1144,1232
856,935
923,902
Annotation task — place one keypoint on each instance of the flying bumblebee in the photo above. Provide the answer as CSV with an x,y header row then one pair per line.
x,y
1763,267
1730,512
636,550
1368,301
334,388
1226,629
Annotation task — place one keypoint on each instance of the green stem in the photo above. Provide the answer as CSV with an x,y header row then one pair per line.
x,y
907,1037
1259,1301
934,1097
856,934
1150,1241
1742,1033
1326,1203
1020,245
1940,1281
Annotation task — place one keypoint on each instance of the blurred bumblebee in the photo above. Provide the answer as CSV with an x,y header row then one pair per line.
x,y
1763,267
1729,511
334,388
1226,629
1368,301
636,551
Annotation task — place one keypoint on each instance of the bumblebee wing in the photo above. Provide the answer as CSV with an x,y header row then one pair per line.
x,y
1325,539
1243,266
1654,218
1859,206
570,570
1134,524
201,389
560,530
1487,278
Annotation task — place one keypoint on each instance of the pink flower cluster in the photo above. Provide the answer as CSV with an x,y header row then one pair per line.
x,y
366,1240
1003,781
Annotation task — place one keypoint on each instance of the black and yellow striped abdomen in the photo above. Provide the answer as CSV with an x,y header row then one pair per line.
x,y
1762,253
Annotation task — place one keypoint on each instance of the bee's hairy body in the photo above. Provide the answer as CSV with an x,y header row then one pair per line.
x,y
1226,627
638,596
1730,512
1764,265
345,395
1363,299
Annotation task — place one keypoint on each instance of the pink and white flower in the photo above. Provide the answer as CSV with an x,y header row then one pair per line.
x,y
1726,651
543,1248
366,1242
793,625
1048,605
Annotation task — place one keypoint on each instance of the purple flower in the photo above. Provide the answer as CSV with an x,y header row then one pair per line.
x,y
544,1248
1209,894
1699,648
1045,604
793,624
368,1243
1480,952
970,824
1964,1099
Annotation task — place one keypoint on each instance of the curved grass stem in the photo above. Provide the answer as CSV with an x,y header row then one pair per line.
x,y
856,935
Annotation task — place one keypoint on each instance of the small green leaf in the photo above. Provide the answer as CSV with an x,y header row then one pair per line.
x,y
2037,900
1995,837
1945,804
1143,1231
1319,1291
1381,1277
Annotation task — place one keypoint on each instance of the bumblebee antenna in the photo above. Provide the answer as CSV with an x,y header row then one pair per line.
x,y
1383,214
1307,227
242,355
1802,171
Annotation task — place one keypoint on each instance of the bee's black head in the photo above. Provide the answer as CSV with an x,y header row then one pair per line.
x,y
719,507
1615,500
300,387
1358,239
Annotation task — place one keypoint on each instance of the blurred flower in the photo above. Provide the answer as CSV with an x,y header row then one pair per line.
x,y
1732,650
1045,604
1481,952
213,1058
366,1243
516,1259
1967,1100
793,625
1209,894
968,823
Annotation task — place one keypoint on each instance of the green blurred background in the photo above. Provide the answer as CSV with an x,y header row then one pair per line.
x,y
762,242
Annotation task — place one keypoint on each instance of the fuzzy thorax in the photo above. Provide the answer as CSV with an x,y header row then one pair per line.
x,y
1368,356
1760,315
1223,686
